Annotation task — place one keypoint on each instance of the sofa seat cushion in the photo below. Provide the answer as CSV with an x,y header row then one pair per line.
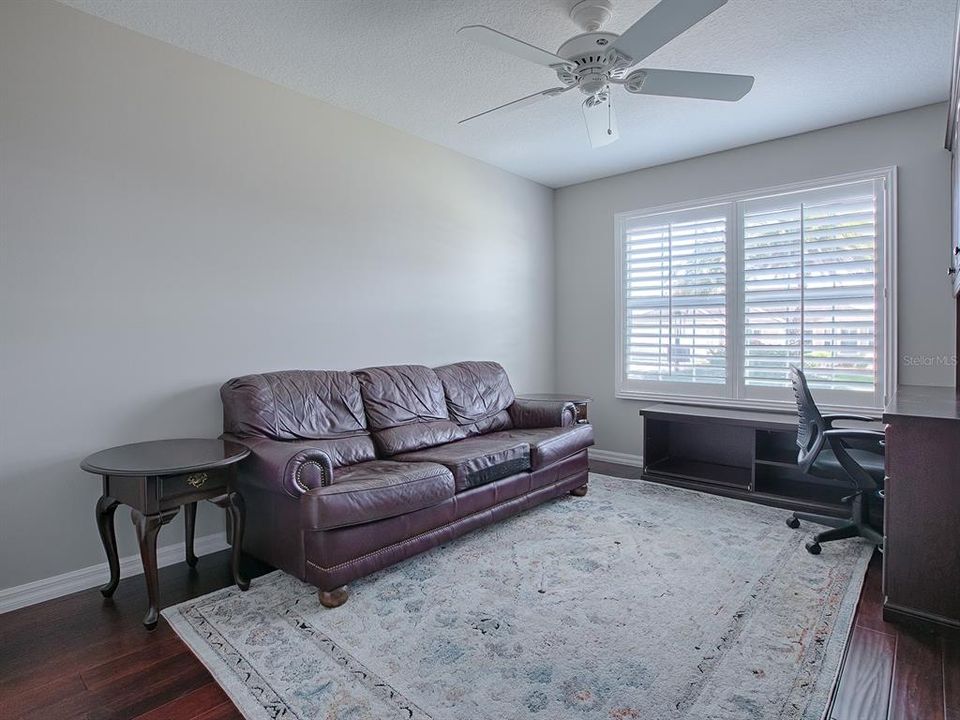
x,y
477,460
549,445
375,490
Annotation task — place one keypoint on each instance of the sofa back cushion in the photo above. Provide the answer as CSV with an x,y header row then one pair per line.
x,y
406,408
478,395
323,406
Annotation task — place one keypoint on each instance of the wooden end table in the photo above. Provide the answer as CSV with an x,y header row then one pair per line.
x,y
580,402
156,479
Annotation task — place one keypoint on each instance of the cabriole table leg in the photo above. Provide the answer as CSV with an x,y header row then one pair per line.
x,y
232,502
148,526
106,507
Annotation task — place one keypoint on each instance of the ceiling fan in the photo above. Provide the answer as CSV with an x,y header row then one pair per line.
x,y
595,61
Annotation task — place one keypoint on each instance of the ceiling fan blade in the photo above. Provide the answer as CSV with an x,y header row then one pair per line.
x,y
522,102
601,122
680,83
497,40
667,20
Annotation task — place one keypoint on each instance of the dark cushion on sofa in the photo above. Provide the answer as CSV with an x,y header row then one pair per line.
x,y
550,445
476,460
406,408
373,491
320,405
478,395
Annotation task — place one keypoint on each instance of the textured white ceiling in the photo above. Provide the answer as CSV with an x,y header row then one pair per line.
x,y
817,63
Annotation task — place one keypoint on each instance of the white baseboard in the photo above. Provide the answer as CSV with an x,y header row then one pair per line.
x,y
615,457
88,577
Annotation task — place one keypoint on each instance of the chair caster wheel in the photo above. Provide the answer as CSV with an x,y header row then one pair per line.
x,y
793,522
813,547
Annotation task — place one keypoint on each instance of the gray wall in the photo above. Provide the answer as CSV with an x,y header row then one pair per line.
x,y
167,223
586,323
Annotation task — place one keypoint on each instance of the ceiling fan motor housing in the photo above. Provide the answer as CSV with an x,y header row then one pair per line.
x,y
593,61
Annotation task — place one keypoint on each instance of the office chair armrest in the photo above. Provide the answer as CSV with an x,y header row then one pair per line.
x,y
860,418
854,434
839,436
835,439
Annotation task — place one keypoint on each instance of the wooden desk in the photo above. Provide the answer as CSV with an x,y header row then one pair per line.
x,y
921,569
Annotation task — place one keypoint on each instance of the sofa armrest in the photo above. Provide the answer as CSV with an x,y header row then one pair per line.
x,y
528,414
293,467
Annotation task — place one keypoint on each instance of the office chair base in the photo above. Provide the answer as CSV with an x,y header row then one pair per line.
x,y
840,529
830,521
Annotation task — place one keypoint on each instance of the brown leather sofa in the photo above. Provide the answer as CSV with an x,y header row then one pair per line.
x,y
350,472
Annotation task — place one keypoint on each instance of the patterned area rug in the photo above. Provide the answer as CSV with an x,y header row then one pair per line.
x,y
636,601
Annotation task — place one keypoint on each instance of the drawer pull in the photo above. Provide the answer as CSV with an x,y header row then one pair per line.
x,y
197,479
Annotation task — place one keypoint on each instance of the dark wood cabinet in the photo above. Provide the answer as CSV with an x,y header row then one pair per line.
x,y
921,573
738,453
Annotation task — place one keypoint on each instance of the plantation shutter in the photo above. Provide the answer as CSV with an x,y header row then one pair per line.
x,y
675,299
811,295
718,299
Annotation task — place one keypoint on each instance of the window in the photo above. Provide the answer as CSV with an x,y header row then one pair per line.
x,y
675,300
718,299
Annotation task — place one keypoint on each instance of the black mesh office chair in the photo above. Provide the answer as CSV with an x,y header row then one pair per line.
x,y
853,456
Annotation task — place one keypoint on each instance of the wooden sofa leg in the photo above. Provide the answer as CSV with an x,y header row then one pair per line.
x,y
580,491
334,598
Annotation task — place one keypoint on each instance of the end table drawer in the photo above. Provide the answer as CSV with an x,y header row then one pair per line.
x,y
191,483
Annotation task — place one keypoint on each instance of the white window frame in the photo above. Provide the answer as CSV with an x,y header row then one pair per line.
x,y
731,393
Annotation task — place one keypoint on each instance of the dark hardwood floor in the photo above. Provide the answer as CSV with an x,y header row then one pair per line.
x,y
81,656
895,671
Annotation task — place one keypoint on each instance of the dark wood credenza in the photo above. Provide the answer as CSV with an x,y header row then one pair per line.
x,y
745,454
921,565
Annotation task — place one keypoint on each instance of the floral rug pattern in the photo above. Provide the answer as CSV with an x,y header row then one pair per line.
x,y
638,601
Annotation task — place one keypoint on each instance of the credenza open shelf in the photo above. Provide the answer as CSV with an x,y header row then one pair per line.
x,y
737,453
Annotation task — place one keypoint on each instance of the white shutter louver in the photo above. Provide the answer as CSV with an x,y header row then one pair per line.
x,y
810,266
675,293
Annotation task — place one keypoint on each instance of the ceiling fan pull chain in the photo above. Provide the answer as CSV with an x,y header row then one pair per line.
x,y
609,113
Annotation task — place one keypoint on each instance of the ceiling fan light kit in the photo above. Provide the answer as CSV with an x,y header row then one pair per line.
x,y
594,61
